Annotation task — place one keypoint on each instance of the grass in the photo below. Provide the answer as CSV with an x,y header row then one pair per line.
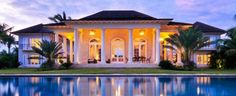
x,y
115,71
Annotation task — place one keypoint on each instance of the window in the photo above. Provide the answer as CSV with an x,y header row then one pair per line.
x,y
140,48
94,49
34,59
203,58
34,41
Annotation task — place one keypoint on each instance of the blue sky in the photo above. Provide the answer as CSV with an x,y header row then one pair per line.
x,y
24,13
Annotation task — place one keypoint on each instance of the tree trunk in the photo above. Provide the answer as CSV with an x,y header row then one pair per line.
x,y
9,50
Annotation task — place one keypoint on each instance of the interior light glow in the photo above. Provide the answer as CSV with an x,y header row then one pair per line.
x,y
91,33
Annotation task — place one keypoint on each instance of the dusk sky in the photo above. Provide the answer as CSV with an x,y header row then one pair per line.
x,y
25,13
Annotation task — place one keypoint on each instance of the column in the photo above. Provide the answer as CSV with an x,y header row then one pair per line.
x,y
76,46
171,55
71,51
65,46
56,37
103,52
157,45
165,51
153,47
179,62
130,51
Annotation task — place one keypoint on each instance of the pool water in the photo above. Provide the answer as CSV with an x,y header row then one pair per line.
x,y
118,86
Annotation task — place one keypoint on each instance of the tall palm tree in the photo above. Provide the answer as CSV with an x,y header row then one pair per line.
x,y
8,40
187,42
4,30
59,17
50,50
5,37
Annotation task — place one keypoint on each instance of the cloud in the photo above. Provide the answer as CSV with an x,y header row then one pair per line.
x,y
24,13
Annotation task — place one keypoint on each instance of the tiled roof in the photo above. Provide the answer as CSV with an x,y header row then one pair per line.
x,y
207,28
40,28
120,15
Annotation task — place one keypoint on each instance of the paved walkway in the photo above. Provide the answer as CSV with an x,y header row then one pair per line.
x,y
115,66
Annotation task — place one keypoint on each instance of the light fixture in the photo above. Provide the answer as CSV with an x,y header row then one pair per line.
x,y
161,39
91,33
141,33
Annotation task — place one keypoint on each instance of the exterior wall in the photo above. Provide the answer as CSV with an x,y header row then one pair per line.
x,y
25,51
110,34
206,50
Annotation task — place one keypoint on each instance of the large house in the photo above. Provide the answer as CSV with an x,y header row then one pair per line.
x,y
106,38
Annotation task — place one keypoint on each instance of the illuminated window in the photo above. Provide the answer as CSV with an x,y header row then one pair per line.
x,y
95,49
34,42
203,58
140,48
34,59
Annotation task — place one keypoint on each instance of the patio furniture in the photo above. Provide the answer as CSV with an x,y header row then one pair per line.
x,y
148,60
92,61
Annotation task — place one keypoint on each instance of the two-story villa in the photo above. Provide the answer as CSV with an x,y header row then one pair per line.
x,y
113,38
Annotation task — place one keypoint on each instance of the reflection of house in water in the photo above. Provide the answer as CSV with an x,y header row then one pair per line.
x,y
115,86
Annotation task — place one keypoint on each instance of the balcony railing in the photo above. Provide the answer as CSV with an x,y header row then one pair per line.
x,y
25,46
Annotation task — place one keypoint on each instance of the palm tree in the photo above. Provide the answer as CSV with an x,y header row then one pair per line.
x,y
8,40
4,30
49,50
187,42
231,42
5,37
59,18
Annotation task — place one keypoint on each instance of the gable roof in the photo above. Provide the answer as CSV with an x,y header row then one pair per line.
x,y
40,28
120,15
207,28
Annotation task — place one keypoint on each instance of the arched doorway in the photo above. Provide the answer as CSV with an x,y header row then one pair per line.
x,y
95,49
140,48
117,50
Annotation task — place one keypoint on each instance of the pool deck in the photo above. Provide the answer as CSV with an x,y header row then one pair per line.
x,y
118,75
77,66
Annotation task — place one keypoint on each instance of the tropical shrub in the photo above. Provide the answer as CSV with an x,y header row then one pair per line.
x,y
9,60
49,50
190,66
217,60
227,49
166,64
65,65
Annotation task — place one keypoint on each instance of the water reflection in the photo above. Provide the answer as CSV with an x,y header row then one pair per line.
x,y
116,86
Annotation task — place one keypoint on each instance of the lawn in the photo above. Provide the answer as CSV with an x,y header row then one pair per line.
x,y
115,71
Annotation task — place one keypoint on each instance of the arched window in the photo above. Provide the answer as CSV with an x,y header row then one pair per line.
x,y
117,50
140,48
95,49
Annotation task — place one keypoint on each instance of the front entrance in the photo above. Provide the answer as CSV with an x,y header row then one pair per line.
x,y
117,50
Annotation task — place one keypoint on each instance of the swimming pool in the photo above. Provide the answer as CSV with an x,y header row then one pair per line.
x,y
118,86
